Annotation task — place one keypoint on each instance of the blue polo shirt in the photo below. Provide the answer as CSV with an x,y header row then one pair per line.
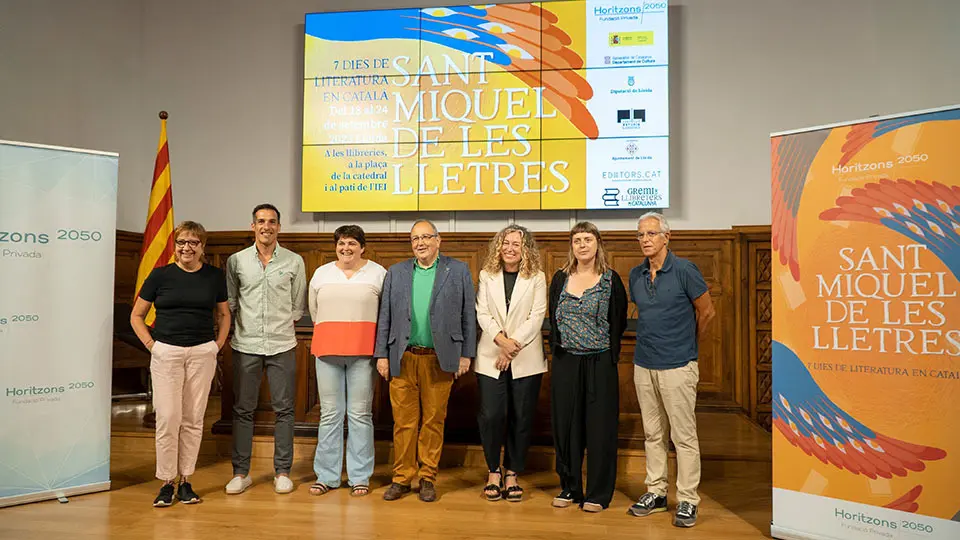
x,y
666,318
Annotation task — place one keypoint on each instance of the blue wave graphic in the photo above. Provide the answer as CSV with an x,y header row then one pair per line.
x,y
357,26
364,25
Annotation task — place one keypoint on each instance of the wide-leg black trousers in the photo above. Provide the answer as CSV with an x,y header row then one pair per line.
x,y
585,409
507,408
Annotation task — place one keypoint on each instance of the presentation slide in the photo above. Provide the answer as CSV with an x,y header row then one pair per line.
x,y
552,105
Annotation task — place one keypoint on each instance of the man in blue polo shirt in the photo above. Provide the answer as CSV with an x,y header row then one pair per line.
x,y
673,311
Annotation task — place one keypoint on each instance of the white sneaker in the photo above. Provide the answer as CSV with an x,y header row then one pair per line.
x,y
282,484
239,484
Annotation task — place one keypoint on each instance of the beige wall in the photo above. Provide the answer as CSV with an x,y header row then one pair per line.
x,y
94,73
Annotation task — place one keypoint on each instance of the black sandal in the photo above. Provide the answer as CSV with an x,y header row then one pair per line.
x,y
513,493
493,492
319,488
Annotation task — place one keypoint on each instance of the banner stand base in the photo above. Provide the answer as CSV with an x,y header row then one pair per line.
x,y
783,533
54,494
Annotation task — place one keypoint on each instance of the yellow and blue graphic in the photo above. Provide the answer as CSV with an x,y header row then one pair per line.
x,y
866,328
463,107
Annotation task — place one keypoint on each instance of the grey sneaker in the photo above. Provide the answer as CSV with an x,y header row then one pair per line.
x,y
686,515
649,503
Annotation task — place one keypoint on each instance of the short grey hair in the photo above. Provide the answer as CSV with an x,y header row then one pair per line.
x,y
664,225
428,222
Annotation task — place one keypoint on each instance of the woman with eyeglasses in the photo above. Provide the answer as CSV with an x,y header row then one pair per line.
x,y
344,300
191,326
588,314
511,303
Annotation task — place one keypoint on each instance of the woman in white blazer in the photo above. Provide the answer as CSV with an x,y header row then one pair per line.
x,y
511,303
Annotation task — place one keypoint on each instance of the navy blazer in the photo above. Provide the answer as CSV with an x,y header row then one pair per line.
x,y
453,314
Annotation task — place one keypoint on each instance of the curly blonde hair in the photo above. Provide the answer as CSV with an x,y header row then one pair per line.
x,y
529,254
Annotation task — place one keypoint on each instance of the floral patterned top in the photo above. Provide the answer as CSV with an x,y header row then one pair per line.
x,y
582,321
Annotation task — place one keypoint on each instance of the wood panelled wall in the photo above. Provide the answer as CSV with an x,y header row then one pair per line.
x,y
734,357
755,267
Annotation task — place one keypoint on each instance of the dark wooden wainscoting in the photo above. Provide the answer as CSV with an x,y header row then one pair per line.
x,y
735,372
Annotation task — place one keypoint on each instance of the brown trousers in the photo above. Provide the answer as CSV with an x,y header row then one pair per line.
x,y
421,390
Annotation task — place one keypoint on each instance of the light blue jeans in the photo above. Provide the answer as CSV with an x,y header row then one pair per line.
x,y
345,385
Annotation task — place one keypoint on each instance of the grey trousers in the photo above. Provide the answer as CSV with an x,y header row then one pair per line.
x,y
282,376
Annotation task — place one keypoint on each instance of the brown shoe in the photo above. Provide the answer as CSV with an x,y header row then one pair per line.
x,y
395,491
428,493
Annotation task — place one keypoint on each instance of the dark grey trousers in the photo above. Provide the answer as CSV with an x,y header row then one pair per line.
x,y
282,377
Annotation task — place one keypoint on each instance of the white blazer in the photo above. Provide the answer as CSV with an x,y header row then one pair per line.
x,y
528,304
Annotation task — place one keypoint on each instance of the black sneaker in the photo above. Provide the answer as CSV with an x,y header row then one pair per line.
x,y
649,503
565,499
686,515
186,495
165,498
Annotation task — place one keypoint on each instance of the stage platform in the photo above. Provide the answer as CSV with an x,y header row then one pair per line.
x,y
735,490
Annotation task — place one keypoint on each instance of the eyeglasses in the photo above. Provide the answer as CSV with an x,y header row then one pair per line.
x,y
649,234
422,238
191,243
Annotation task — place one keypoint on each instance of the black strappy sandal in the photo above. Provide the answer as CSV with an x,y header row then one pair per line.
x,y
319,488
494,492
513,493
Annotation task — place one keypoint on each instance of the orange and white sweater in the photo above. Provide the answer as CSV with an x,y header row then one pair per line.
x,y
345,311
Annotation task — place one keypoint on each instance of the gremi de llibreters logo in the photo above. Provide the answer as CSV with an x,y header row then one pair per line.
x,y
636,197
611,196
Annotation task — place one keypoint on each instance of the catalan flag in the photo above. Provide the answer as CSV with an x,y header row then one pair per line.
x,y
157,249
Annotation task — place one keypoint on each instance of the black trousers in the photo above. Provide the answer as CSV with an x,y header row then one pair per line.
x,y
507,406
585,410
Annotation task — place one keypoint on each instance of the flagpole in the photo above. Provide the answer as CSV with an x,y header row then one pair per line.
x,y
157,245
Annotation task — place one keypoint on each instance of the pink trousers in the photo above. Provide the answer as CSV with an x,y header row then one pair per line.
x,y
181,385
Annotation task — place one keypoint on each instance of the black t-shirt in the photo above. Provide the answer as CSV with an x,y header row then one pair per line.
x,y
509,280
185,302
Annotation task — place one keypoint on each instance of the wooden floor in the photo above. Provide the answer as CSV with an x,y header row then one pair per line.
x,y
735,489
